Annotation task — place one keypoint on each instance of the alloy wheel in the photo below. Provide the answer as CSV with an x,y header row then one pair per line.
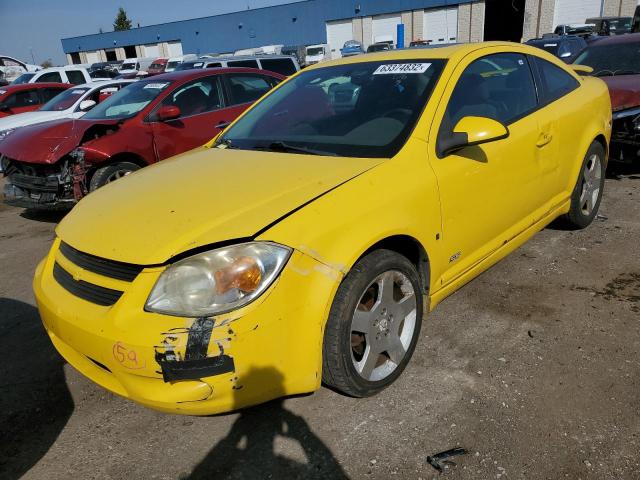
x,y
591,181
383,325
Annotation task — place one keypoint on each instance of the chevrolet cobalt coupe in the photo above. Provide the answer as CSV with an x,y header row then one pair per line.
x,y
306,242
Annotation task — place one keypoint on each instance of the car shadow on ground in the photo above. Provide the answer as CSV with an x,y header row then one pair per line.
x,y
617,170
45,216
35,403
248,451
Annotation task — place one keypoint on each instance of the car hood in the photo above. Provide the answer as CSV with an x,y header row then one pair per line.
x,y
46,142
624,91
28,118
200,198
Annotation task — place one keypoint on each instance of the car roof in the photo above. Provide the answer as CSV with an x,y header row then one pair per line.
x,y
59,69
186,75
558,39
434,52
618,39
30,86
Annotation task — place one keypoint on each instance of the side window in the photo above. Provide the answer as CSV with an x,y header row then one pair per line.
x,y
22,99
283,66
199,96
497,86
53,77
556,82
243,64
214,65
246,88
76,77
48,93
11,63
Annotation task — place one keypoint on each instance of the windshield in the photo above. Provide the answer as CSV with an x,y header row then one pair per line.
x,y
64,100
128,66
156,66
189,65
551,47
606,60
127,102
355,110
172,65
24,78
315,51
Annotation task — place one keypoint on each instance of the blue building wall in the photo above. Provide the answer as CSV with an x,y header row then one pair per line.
x,y
300,23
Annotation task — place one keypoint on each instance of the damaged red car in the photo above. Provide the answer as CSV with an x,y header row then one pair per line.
x,y
616,60
52,165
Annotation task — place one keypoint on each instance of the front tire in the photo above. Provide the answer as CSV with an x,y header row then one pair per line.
x,y
587,193
373,325
111,173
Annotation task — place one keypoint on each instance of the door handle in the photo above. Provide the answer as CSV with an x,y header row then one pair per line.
x,y
544,139
223,124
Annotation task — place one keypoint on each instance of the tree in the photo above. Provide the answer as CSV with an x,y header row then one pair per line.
x,y
47,63
121,22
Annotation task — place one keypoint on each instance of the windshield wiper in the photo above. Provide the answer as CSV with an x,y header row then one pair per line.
x,y
226,142
286,147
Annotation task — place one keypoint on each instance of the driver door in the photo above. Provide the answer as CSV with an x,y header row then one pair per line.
x,y
488,192
202,110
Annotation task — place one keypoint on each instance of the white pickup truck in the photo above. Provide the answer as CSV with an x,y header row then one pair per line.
x,y
69,74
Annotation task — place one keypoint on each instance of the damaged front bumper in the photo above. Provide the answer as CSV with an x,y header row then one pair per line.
x,y
625,135
270,348
42,187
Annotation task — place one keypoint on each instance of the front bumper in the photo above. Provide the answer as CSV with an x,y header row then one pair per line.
x,y
625,136
268,349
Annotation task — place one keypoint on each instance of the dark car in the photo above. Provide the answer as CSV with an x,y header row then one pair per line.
x,y
28,96
616,60
52,165
611,25
378,47
565,47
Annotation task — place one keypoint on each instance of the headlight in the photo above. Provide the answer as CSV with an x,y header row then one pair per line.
x,y
4,133
217,281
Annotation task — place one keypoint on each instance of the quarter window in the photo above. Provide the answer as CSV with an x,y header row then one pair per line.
x,y
498,86
243,64
555,82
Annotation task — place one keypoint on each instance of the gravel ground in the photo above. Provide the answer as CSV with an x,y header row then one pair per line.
x,y
533,368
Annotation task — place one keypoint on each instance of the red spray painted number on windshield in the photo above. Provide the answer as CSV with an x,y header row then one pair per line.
x,y
127,357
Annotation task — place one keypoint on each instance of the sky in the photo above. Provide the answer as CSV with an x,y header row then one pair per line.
x,y
30,30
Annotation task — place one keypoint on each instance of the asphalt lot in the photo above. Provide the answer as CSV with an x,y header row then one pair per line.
x,y
533,367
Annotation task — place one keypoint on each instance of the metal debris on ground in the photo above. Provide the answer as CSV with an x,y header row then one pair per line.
x,y
439,460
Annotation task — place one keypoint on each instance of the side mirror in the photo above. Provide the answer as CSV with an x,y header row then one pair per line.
x,y
87,105
472,131
168,113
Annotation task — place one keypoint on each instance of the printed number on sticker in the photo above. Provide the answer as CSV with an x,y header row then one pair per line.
x,y
402,68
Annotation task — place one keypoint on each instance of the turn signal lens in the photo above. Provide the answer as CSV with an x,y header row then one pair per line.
x,y
243,274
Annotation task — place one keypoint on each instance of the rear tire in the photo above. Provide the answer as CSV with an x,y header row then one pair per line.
x,y
373,326
587,193
111,173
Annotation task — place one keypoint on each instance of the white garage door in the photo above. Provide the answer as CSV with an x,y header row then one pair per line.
x,y
93,57
385,26
152,51
175,49
441,25
338,33
575,11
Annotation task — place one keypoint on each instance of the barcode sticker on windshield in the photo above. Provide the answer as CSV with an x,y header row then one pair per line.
x,y
156,85
394,68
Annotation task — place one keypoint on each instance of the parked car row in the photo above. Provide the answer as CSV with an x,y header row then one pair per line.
x,y
96,133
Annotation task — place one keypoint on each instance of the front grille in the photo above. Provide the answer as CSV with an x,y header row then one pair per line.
x,y
35,183
109,268
85,290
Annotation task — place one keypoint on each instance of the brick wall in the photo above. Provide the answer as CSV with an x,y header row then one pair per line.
x,y
615,8
477,22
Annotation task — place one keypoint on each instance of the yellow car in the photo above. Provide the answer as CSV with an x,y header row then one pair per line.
x,y
305,244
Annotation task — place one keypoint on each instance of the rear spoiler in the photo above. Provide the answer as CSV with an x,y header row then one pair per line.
x,y
581,69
